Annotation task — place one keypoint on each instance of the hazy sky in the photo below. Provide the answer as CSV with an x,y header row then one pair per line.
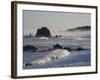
x,y
55,21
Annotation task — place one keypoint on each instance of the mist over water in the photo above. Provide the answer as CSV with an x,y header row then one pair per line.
x,y
72,33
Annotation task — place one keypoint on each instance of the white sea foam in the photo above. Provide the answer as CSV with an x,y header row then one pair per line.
x,y
43,38
52,56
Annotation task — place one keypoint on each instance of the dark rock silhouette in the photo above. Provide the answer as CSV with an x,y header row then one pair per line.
x,y
28,64
68,48
43,32
57,46
57,36
27,36
30,48
74,49
79,49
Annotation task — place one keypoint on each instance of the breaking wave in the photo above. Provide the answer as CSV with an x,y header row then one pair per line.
x,y
52,56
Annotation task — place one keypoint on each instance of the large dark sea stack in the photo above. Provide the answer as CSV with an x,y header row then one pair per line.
x,y
43,32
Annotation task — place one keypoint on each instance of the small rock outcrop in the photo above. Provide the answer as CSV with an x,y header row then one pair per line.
x,y
68,48
74,49
57,46
43,32
30,48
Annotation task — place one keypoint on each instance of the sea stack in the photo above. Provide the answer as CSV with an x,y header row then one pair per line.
x,y
43,32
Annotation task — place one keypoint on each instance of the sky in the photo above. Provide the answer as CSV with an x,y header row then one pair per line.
x,y
56,22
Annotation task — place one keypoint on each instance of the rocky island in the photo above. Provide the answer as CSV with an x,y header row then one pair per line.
x,y
43,32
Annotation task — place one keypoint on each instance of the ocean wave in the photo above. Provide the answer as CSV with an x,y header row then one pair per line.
x,y
52,56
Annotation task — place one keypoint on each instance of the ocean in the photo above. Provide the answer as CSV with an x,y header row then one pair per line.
x,y
48,57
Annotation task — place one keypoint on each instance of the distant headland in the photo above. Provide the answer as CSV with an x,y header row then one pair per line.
x,y
81,28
